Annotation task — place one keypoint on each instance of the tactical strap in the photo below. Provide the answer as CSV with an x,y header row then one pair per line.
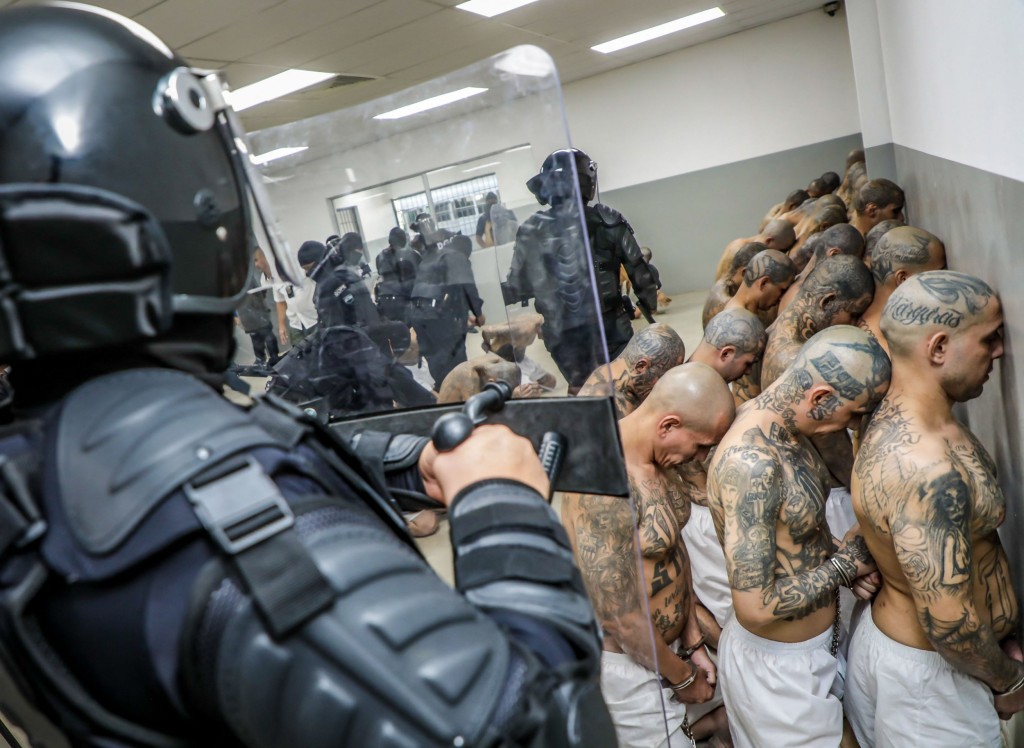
x,y
245,513
20,521
348,468
372,446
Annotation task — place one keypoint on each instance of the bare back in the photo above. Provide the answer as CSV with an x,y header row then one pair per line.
x,y
718,297
602,530
929,505
611,379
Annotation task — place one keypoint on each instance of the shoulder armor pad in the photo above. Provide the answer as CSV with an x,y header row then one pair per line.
x,y
609,216
124,442
538,221
402,662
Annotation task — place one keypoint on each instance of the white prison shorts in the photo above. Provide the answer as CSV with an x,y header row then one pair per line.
x,y
778,694
839,512
902,697
635,699
707,563
531,371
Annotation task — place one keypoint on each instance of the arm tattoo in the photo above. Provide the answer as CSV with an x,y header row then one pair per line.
x,y
748,481
607,555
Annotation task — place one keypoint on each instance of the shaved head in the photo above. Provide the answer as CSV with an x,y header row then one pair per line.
x,y
855,156
659,344
906,248
847,359
831,181
828,215
744,255
794,199
736,327
935,301
877,232
772,263
846,277
779,233
831,200
843,237
881,192
697,394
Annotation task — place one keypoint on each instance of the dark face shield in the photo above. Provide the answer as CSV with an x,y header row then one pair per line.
x,y
193,101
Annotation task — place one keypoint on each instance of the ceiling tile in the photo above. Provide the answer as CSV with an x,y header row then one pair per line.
x,y
179,22
280,23
331,37
407,41
402,42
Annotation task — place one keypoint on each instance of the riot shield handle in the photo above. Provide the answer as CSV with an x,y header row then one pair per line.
x,y
552,454
452,429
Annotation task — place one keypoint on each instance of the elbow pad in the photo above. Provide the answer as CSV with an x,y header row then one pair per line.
x,y
512,553
399,660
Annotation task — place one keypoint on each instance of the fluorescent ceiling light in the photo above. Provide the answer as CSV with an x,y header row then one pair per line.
x,y
278,153
491,8
654,32
364,198
432,103
481,166
274,87
519,148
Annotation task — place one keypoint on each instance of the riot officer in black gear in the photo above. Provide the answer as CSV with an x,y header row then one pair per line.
x,y
341,296
545,265
351,251
444,299
179,570
397,270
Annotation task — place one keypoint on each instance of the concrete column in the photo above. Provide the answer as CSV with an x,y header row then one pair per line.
x,y
872,90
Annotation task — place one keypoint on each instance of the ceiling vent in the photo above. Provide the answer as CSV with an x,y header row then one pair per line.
x,y
347,80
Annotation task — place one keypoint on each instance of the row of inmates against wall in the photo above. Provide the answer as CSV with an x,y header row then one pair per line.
x,y
838,550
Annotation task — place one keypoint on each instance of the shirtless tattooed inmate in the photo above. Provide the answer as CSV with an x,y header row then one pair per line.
x,y
767,487
926,494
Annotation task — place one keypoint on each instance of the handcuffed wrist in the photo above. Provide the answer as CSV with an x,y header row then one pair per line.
x,y
683,685
1014,688
844,577
687,653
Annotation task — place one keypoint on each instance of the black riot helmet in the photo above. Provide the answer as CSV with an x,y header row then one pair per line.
x,y
125,193
560,170
397,238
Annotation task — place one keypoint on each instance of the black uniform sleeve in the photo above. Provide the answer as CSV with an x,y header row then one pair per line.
x,y
462,281
518,278
406,273
404,660
644,284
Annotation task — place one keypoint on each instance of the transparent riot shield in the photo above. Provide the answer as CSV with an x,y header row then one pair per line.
x,y
439,257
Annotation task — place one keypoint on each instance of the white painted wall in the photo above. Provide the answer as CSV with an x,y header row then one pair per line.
x,y
775,87
303,190
869,72
953,75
